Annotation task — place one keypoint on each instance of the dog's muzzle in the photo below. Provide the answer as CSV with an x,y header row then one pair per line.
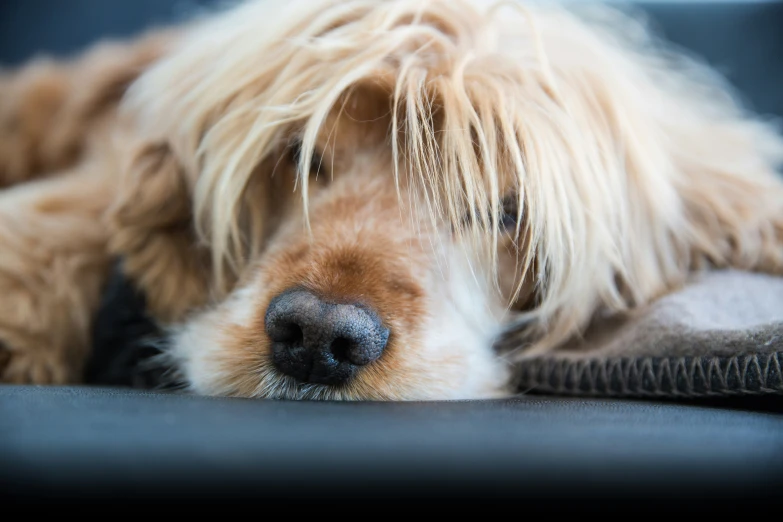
x,y
319,342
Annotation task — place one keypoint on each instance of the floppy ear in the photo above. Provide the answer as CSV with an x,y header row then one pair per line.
x,y
703,167
732,195
152,231
701,171
641,166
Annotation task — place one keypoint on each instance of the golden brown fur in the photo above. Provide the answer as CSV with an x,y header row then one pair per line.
x,y
421,129
56,125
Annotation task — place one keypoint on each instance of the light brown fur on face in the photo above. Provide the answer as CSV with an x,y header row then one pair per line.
x,y
364,247
449,165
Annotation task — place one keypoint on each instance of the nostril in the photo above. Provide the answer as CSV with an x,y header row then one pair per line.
x,y
341,349
289,333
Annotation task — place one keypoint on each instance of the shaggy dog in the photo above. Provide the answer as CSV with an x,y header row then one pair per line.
x,y
354,199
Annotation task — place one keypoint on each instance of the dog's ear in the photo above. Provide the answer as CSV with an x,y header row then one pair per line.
x,y
701,170
152,232
639,166
731,193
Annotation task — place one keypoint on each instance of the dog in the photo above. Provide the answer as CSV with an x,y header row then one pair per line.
x,y
360,199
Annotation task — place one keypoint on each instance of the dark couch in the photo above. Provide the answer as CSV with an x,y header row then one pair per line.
x,y
112,443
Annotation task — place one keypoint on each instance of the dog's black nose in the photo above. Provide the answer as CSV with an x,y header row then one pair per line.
x,y
319,342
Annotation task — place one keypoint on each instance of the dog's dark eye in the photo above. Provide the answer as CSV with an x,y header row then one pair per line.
x,y
295,153
510,215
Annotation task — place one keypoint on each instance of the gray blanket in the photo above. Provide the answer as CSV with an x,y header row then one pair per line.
x,y
721,335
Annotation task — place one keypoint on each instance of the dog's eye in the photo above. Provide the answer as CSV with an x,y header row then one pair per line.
x,y
295,153
510,215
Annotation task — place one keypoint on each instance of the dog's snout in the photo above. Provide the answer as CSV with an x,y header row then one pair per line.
x,y
320,342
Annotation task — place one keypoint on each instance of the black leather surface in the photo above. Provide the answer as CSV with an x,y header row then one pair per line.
x,y
100,442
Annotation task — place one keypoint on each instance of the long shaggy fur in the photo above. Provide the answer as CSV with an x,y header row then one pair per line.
x,y
622,165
